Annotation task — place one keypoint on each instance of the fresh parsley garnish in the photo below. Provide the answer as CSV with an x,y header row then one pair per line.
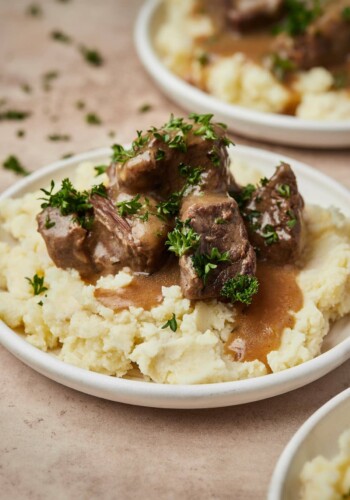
x,y
160,155
241,288
244,195
70,201
281,66
171,323
214,156
192,174
20,133
220,220
34,10
12,163
92,56
283,190
26,88
14,114
93,119
171,206
299,14
101,169
269,234
80,104
121,155
264,181
293,220
204,263
37,283
49,223
346,14
129,207
203,59
182,239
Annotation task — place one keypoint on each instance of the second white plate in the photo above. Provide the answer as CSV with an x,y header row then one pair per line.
x,y
255,124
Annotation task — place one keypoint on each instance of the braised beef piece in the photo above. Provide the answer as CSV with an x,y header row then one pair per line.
x,y
273,217
245,15
157,167
326,41
66,241
216,218
117,241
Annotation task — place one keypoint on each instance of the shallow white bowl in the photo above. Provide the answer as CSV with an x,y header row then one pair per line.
x,y
317,436
316,188
255,124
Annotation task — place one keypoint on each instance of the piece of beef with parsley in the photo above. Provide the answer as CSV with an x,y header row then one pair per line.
x,y
222,251
158,158
273,214
246,15
318,36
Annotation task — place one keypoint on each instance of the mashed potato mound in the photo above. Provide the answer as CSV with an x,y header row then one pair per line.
x,y
328,479
83,332
237,79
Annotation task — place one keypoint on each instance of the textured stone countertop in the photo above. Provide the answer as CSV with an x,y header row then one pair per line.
x,y
56,443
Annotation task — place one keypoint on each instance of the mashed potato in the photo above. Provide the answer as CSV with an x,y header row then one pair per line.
x,y
69,319
328,479
237,79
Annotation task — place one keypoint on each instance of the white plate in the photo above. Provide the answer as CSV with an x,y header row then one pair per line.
x,y
317,188
317,436
265,126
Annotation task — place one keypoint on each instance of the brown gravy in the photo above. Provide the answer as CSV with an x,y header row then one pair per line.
x,y
261,324
144,290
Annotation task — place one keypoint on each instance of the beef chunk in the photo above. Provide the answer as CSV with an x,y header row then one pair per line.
x,y
273,217
326,41
117,241
66,241
157,165
216,218
244,15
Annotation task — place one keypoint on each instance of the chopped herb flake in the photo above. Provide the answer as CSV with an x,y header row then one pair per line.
x,y
144,108
269,234
93,119
49,223
182,239
129,207
284,190
59,137
59,36
34,10
205,263
92,56
241,288
171,323
101,169
13,114
37,283
12,163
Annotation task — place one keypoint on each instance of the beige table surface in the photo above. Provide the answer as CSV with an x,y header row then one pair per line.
x,y
58,443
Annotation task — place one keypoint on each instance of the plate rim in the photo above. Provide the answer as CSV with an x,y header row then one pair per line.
x,y
281,468
160,72
179,395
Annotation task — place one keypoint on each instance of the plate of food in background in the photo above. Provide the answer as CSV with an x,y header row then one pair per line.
x,y
316,462
278,71
181,271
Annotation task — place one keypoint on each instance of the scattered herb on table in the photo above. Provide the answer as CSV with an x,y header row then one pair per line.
x,y
92,56
80,104
48,78
203,59
241,288
20,133
34,10
182,239
59,36
37,283
13,164
145,108
14,114
93,119
59,137
26,88
66,156
205,263
171,323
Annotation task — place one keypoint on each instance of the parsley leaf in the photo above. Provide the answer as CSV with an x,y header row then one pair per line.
x,y
243,195
145,108
192,174
281,66
205,263
92,56
182,239
49,223
129,207
299,14
171,206
284,190
269,234
58,137
12,163
37,283
241,288
101,169
93,119
346,14
14,114
171,323
59,36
